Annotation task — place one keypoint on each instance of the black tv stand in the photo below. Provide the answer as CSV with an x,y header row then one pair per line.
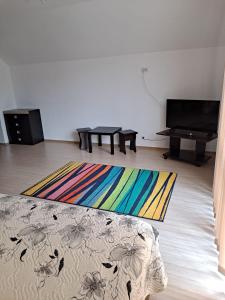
x,y
197,157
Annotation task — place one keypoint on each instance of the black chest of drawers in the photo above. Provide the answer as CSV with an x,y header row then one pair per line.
x,y
24,126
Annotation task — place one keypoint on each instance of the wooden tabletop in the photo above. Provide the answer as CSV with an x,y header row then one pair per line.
x,y
105,130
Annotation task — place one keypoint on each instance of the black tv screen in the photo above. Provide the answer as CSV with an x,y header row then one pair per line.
x,y
199,115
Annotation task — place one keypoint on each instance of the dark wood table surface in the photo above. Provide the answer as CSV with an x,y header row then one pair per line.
x,y
103,130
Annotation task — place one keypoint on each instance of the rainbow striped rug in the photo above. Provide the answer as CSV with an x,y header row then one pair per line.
x,y
129,191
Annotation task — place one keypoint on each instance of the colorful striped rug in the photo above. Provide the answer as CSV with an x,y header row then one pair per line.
x,y
129,191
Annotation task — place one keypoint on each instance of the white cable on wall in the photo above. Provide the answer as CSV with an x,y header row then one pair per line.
x,y
151,96
149,93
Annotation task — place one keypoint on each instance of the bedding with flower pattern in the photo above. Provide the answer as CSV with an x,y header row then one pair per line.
x,y
55,251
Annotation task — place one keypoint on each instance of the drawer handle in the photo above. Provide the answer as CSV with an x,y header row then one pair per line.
x,y
15,117
19,139
17,124
18,132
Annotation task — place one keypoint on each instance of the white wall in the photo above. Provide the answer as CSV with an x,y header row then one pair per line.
x,y
111,92
7,99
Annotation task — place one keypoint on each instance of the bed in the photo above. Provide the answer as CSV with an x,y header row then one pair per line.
x,y
51,250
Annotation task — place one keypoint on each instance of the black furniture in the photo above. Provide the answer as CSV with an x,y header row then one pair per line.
x,y
83,136
197,157
24,126
99,131
127,135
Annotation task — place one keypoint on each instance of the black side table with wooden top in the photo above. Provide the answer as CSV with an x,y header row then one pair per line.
x,y
127,135
99,131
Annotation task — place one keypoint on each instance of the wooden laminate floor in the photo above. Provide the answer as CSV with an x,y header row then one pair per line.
x,y
187,234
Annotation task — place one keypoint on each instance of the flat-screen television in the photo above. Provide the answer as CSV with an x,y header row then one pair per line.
x,y
196,115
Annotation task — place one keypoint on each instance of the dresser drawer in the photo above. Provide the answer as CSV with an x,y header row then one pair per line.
x,y
18,140
18,120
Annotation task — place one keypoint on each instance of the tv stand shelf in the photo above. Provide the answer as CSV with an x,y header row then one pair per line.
x,y
197,157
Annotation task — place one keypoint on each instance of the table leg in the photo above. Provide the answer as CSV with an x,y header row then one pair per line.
x,y
175,146
122,145
79,140
112,143
89,143
99,140
200,150
133,144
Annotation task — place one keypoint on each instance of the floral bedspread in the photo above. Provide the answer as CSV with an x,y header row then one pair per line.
x,y
55,251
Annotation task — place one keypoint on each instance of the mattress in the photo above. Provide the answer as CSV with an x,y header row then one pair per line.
x,y
51,250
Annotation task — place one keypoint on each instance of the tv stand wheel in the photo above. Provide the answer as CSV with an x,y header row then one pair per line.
x,y
165,156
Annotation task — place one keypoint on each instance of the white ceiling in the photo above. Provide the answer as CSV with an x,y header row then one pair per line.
x,y
32,32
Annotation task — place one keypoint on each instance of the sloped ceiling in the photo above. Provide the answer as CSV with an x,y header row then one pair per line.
x,y
33,31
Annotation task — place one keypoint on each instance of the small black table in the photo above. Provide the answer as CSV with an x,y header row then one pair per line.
x,y
127,135
99,131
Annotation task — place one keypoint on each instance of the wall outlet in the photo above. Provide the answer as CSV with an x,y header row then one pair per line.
x,y
144,70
